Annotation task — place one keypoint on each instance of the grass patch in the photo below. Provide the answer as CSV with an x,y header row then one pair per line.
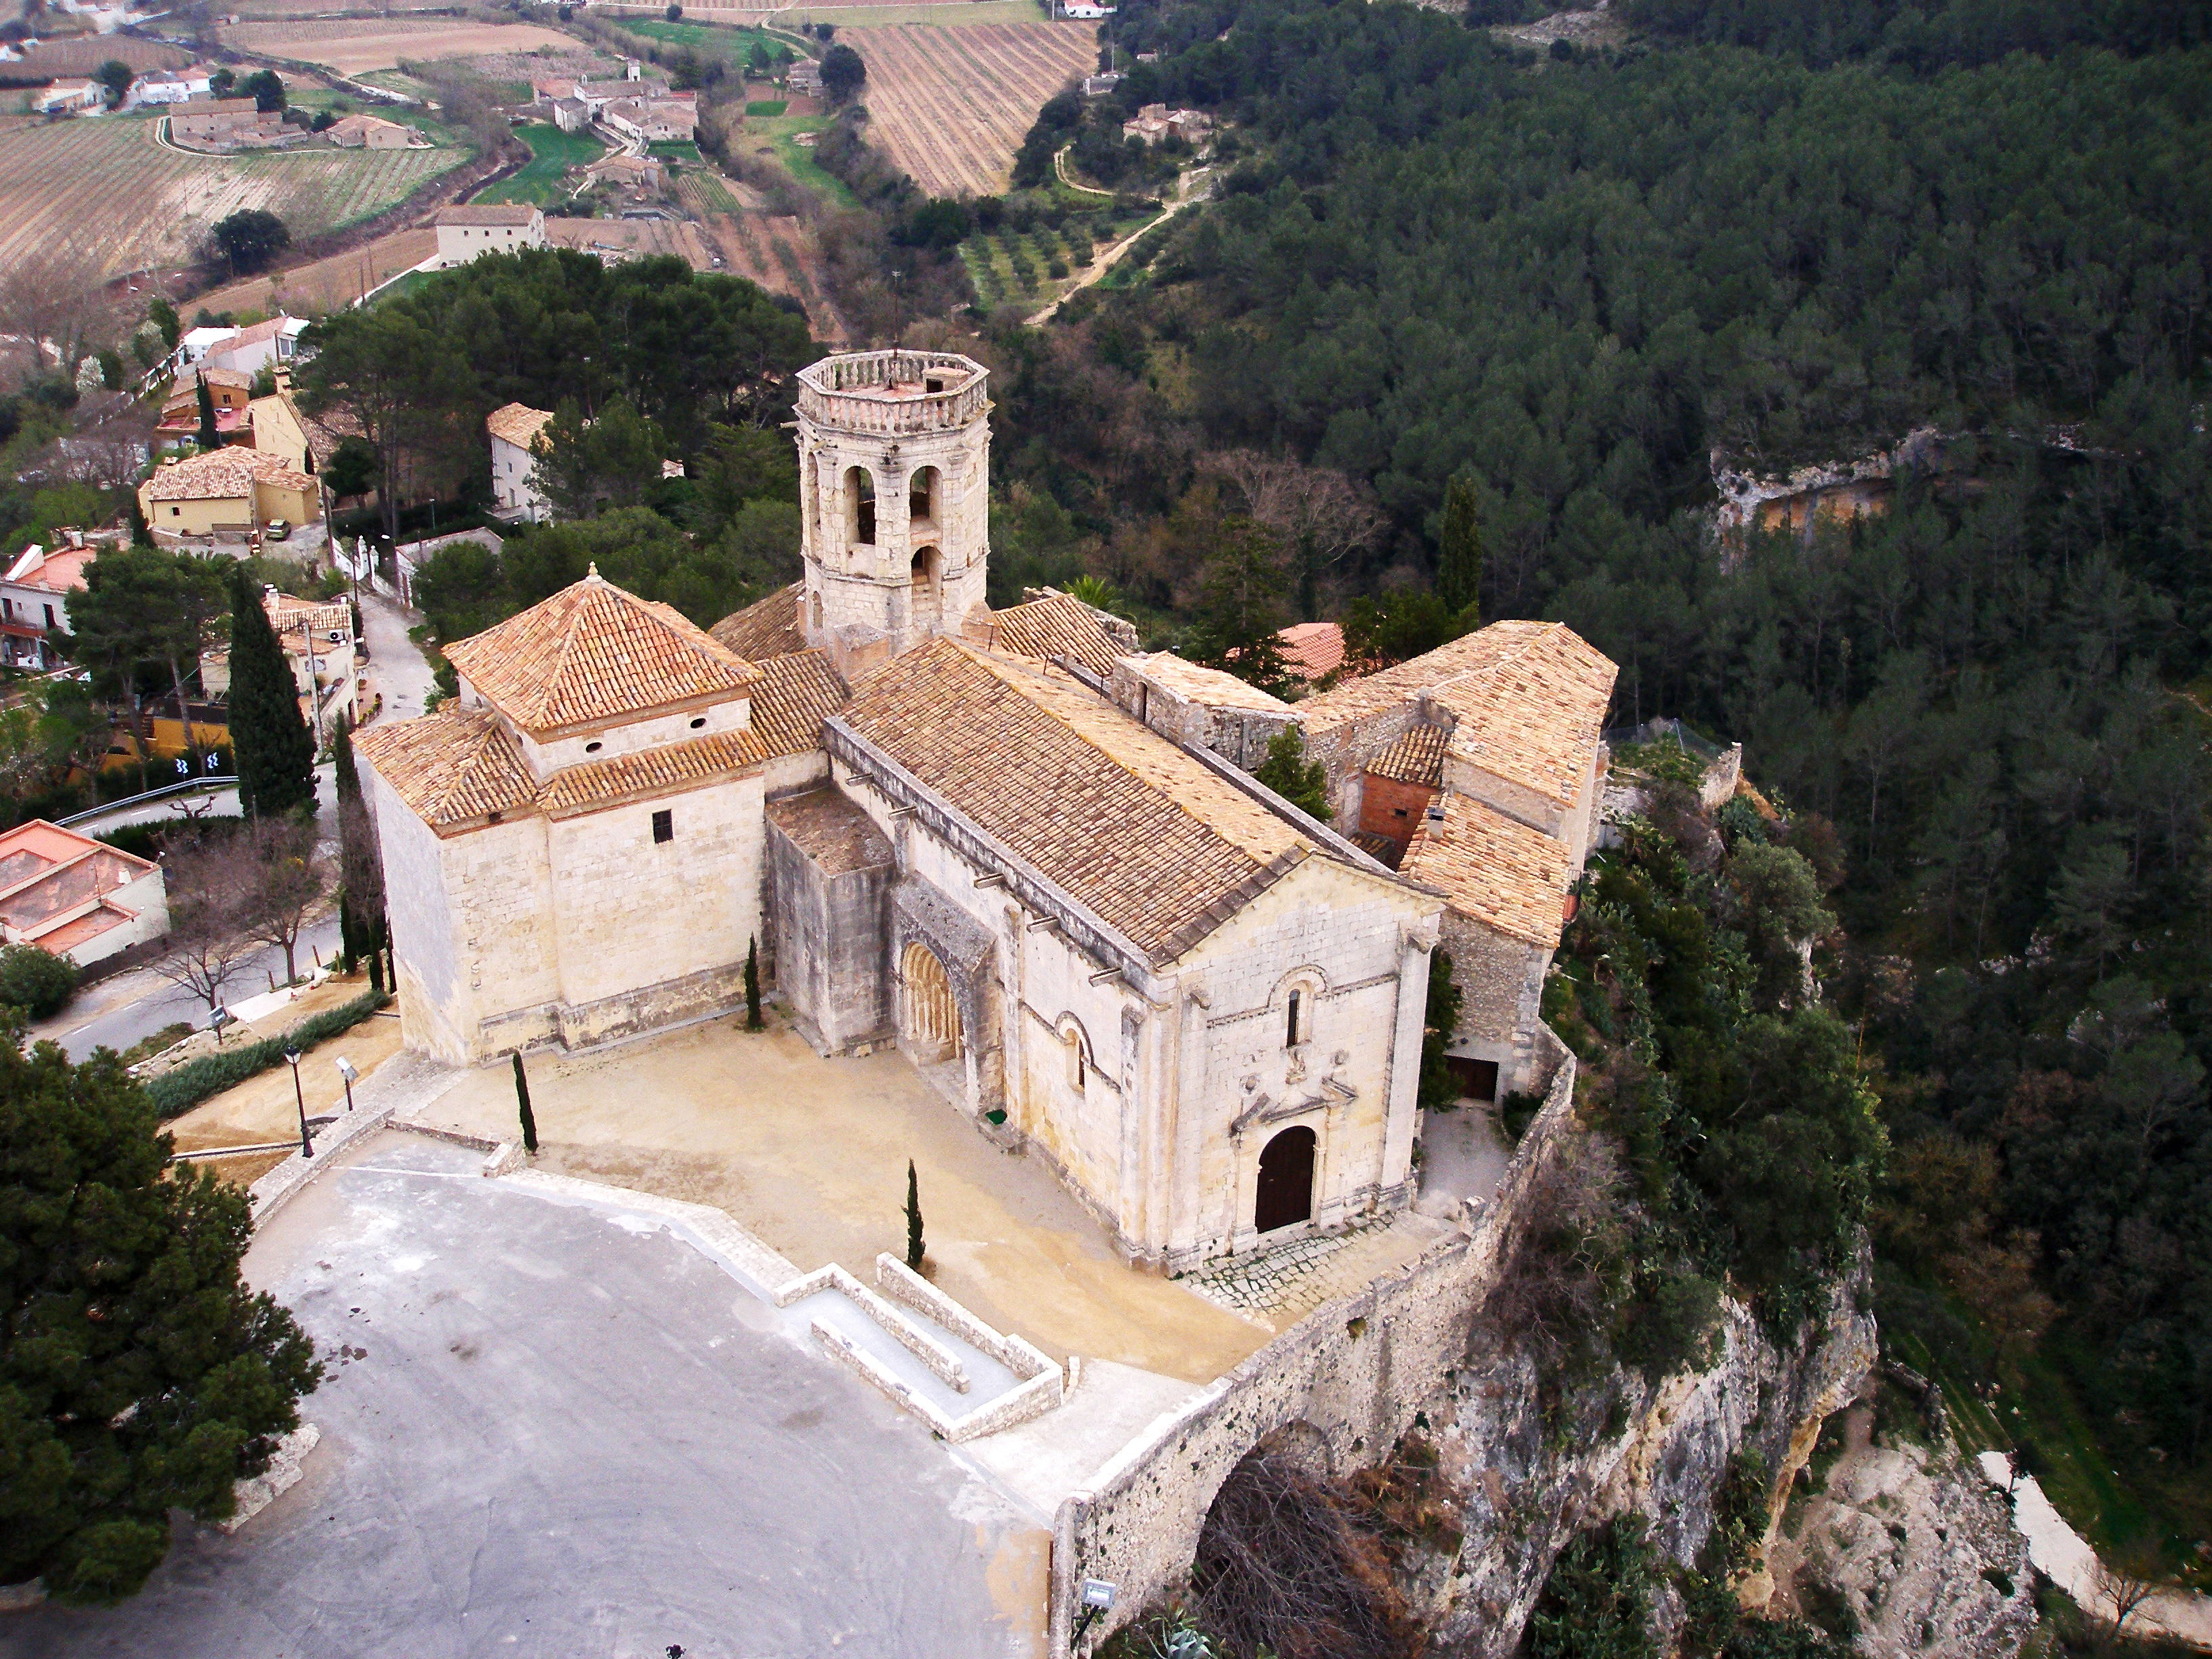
x,y
552,153
732,43
676,149
196,1080
781,134
762,106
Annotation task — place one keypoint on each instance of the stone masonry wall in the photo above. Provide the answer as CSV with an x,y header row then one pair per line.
x,y
1354,1373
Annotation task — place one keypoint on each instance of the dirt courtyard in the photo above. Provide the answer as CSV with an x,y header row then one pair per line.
x,y
811,1155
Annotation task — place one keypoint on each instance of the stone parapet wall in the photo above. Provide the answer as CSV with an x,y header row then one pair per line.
x,y
1353,1373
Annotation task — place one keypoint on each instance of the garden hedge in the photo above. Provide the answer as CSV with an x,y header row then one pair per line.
x,y
196,1079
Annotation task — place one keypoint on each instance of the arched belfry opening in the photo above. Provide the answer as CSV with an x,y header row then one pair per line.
x,y
923,492
1285,1197
860,507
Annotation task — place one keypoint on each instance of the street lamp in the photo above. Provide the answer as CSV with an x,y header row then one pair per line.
x,y
217,1018
291,1059
347,1072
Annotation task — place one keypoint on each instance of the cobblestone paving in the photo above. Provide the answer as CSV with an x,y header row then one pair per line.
x,y
1282,1283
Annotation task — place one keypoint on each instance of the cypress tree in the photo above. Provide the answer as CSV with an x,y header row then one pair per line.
x,y
1459,554
274,751
210,437
913,1216
752,984
522,1099
376,972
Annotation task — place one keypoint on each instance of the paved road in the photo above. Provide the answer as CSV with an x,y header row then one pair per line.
x,y
115,1013
561,1438
118,1011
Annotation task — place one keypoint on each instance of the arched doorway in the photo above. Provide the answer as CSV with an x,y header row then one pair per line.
x,y
928,595
1286,1176
930,1017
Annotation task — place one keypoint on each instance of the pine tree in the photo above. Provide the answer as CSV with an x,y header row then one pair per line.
x,y
913,1219
1459,554
210,437
275,754
1287,772
522,1099
753,1022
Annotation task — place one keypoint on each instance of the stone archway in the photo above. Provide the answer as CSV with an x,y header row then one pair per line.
x,y
1285,1197
929,1015
928,588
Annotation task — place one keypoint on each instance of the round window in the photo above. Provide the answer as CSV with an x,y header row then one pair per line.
x,y
592,748
697,724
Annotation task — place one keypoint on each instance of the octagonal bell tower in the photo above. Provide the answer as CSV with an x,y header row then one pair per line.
x,y
894,483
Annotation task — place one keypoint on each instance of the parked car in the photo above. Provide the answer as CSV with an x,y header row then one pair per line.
x,y
277,530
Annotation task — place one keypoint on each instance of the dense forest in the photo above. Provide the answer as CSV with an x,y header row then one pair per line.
x,y
1767,233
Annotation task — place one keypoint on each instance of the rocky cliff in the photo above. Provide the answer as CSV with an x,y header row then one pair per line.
x,y
1665,1450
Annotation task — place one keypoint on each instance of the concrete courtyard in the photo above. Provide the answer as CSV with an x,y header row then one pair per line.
x,y
549,1429
810,1156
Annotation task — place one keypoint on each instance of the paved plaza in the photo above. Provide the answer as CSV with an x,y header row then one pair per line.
x,y
553,1430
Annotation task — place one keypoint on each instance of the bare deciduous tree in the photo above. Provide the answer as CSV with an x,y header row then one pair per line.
x,y
1322,512
291,879
212,892
53,295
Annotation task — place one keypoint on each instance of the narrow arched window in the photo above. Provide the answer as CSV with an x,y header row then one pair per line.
x,y
1297,1007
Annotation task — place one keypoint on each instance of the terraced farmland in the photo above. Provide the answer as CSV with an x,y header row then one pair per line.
x,y
108,187
951,106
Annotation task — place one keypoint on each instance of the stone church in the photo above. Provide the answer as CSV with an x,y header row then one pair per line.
x,y
1031,856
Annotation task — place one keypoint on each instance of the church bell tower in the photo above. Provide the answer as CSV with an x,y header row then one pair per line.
x,y
894,483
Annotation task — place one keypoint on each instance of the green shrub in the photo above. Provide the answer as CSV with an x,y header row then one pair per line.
x,y
194,1081
37,981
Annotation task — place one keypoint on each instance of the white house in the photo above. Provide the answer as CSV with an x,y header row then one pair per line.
x,y
71,97
75,896
175,86
469,233
513,466
35,600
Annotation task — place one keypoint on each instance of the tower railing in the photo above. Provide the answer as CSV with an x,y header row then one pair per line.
x,y
884,392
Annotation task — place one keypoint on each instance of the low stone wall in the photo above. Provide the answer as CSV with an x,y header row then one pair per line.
x,y
1353,1373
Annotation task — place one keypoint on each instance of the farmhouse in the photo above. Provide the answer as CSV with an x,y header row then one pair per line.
x,y
637,175
76,896
174,86
223,122
1156,124
804,77
469,233
513,430
998,840
654,120
267,345
569,114
370,132
228,491
69,97
35,600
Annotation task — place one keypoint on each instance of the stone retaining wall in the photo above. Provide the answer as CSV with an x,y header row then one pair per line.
x,y
1352,1375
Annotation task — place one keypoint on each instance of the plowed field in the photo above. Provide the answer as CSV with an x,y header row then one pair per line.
x,y
776,250
108,187
951,106
353,45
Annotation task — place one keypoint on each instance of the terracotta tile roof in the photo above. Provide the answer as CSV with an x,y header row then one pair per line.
x,y
595,653
519,213
518,424
237,378
1492,869
1528,701
1209,686
59,571
768,627
650,771
832,831
1416,757
453,769
1057,625
456,769
1147,838
1312,649
797,692
225,474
